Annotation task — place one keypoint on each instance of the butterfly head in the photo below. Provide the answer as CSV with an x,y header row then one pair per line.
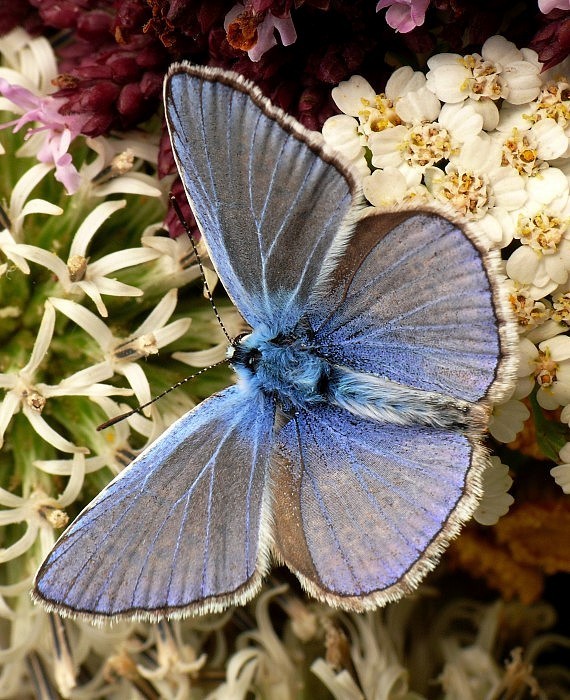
x,y
282,364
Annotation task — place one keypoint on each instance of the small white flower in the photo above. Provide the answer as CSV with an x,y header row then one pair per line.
x,y
389,187
113,170
26,395
551,105
479,188
79,274
40,512
529,312
543,261
501,71
418,145
405,99
561,473
356,98
496,501
549,366
527,151
121,355
508,419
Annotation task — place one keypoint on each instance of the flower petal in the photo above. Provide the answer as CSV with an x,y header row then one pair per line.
x,y
91,225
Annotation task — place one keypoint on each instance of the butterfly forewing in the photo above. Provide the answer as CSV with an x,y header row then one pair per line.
x,y
181,529
269,198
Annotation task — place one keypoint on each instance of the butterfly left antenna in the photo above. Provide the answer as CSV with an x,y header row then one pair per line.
x,y
117,419
180,215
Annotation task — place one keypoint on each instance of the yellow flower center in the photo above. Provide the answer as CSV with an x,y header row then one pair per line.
x,y
561,308
467,192
426,145
553,102
56,517
529,313
77,266
34,400
520,152
545,371
485,80
379,115
541,232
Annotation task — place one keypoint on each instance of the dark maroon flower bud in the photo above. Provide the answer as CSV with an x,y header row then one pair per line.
x,y
60,15
131,102
98,96
552,42
124,67
18,14
97,124
95,26
151,85
165,164
130,18
171,220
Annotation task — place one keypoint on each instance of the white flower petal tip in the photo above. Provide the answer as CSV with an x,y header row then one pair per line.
x,y
561,475
352,95
496,501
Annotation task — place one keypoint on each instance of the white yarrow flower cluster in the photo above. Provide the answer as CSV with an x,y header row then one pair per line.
x,y
489,136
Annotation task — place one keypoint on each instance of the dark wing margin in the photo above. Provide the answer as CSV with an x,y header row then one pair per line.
x,y
366,509
273,201
184,530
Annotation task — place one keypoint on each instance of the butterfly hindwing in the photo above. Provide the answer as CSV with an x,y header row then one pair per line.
x,y
364,508
268,195
415,300
181,529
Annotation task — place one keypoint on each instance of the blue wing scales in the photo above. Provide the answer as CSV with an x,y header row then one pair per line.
x,y
268,195
364,508
182,529
413,301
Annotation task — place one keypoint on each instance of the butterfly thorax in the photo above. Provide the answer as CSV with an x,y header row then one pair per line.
x,y
283,365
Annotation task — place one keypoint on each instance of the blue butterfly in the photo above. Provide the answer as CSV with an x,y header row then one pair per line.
x,y
351,447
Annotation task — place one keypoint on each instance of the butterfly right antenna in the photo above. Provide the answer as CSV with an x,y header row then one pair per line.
x,y
180,215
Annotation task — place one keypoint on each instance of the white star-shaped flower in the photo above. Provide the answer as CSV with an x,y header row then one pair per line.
x,y
79,274
121,355
24,393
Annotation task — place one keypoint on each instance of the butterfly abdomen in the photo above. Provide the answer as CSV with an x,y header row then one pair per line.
x,y
386,401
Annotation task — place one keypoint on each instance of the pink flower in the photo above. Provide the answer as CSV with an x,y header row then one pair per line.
x,y
253,31
546,6
404,15
59,130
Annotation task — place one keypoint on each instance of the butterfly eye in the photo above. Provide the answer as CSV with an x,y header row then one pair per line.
x,y
244,357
